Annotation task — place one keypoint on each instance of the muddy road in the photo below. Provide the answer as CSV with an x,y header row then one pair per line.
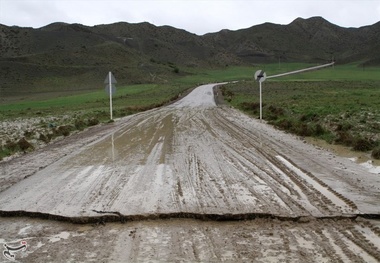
x,y
192,181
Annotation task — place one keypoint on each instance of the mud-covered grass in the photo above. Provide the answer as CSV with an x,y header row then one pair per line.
x,y
24,135
342,112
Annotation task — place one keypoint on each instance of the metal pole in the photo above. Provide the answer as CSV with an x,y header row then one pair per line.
x,y
301,70
261,104
110,90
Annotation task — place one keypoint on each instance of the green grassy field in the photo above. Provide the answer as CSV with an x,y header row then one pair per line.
x,y
132,97
340,104
151,94
128,99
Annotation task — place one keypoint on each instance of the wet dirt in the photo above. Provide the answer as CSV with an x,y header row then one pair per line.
x,y
186,240
171,175
363,158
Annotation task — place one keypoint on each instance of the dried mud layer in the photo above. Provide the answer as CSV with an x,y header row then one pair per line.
x,y
189,182
185,240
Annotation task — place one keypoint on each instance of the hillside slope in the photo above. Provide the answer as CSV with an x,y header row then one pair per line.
x,y
309,40
69,57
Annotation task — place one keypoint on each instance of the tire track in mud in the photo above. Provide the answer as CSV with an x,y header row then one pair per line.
x,y
214,180
316,197
259,164
268,174
348,174
216,184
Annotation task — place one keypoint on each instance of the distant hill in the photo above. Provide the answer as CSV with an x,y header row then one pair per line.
x,y
66,57
309,40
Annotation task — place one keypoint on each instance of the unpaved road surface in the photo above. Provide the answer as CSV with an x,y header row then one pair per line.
x,y
189,182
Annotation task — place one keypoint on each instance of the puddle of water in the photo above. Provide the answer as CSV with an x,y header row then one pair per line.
x,y
362,158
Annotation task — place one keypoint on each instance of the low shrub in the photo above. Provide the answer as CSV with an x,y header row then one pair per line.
x,y
24,145
44,138
273,113
11,146
363,145
28,133
284,124
253,107
376,153
345,138
276,110
92,122
4,152
301,129
64,130
317,130
79,124
345,126
309,117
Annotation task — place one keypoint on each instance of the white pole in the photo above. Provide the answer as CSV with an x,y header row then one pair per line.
x,y
301,70
261,104
110,90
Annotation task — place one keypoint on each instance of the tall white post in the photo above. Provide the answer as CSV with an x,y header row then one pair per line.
x,y
110,90
261,104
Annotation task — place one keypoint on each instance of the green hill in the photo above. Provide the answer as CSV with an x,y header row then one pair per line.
x,y
64,57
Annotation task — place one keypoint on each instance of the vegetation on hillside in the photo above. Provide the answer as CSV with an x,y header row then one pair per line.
x,y
72,57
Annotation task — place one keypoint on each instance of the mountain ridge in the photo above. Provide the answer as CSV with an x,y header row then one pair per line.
x,y
59,55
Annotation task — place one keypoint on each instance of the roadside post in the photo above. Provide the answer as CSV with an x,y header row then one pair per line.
x,y
110,82
260,76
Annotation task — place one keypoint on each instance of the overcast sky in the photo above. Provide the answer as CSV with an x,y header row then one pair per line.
x,y
196,16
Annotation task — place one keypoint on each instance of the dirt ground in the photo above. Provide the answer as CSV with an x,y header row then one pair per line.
x,y
189,182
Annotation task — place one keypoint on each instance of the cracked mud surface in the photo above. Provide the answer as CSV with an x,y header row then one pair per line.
x,y
174,176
